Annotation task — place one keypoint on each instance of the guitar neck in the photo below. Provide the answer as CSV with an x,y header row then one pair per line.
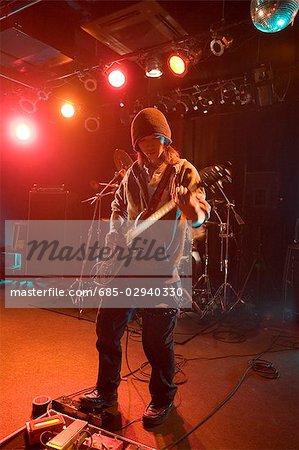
x,y
153,218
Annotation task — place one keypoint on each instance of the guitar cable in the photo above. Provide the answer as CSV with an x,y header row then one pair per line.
x,y
263,367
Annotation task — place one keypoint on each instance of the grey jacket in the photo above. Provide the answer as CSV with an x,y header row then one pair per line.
x,y
131,198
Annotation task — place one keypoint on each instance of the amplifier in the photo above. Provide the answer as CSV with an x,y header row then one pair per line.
x,y
48,204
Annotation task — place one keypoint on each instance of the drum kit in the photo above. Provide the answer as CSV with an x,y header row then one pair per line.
x,y
225,298
205,299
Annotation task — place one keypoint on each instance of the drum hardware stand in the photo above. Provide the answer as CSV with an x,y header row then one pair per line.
x,y
96,200
122,162
204,279
225,235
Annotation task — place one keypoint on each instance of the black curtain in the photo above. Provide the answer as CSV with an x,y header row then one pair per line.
x,y
262,145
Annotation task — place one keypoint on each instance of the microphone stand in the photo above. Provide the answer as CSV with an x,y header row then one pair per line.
x,y
96,200
225,235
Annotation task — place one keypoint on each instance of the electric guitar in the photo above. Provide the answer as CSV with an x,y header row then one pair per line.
x,y
104,271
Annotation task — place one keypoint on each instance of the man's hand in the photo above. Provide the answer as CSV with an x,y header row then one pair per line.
x,y
193,205
115,239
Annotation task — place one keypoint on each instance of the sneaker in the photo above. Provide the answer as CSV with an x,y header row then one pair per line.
x,y
154,415
96,400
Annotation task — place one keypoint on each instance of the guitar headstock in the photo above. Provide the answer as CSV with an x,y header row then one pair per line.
x,y
213,174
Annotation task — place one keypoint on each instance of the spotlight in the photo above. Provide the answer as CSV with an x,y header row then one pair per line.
x,y
184,102
22,130
163,104
187,52
181,108
271,16
90,84
178,64
205,101
219,44
153,68
206,98
116,77
67,110
229,93
92,124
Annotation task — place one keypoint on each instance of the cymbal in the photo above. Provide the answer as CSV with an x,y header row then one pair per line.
x,y
121,159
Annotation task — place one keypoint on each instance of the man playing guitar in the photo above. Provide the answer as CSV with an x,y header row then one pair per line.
x,y
158,175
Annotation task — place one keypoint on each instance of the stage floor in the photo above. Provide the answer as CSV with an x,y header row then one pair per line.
x,y
53,353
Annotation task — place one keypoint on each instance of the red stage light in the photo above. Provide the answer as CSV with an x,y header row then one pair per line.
x,y
67,110
178,65
116,78
22,130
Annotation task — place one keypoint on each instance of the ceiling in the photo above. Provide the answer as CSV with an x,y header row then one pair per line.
x,y
65,39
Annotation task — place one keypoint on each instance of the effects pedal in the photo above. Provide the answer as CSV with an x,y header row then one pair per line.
x,y
35,428
67,437
99,441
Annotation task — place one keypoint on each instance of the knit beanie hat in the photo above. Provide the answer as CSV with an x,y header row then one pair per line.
x,y
147,122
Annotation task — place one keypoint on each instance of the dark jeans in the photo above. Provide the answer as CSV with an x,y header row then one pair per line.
x,y
157,340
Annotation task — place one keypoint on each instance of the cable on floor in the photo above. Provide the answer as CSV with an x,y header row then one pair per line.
x,y
180,362
262,367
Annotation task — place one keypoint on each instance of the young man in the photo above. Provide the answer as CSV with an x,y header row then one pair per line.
x,y
157,176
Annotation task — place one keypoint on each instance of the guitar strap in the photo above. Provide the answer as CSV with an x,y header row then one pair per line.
x,y
156,197
142,180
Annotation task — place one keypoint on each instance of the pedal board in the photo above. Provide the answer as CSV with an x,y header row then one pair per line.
x,y
71,405
76,433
